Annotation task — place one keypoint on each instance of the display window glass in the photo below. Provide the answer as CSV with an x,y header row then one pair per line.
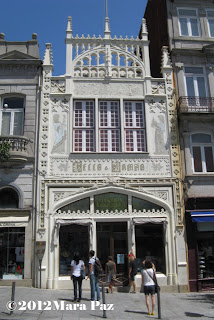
x,y
206,254
150,245
72,238
12,253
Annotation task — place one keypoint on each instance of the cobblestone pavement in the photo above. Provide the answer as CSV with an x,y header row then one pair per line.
x,y
34,305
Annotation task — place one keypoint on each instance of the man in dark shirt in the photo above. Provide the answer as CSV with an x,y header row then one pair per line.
x,y
132,271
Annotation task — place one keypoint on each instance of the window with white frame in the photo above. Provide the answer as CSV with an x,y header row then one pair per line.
x,y
83,126
202,152
134,126
210,20
109,126
196,88
12,116
188,22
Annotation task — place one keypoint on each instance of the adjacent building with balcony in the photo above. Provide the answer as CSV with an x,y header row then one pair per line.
x,y
187,28
20,75
109,166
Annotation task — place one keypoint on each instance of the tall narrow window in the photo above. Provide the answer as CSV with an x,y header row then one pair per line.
x,y
188,22
12,116
202,152
109,126
210,20
83,133
196,86
135,136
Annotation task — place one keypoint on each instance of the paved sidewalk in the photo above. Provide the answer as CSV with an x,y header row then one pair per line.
x,y
126,305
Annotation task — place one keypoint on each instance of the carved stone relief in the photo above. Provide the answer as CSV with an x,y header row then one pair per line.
x,y
108,89
160,135
57,86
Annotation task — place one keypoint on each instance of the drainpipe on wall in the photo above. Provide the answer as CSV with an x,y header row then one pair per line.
x,y
35,178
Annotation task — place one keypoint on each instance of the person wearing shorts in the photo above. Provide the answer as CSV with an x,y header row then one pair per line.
x,y
132,271
149,284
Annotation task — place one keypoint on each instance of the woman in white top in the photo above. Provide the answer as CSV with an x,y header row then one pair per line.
x,y
76,266
148,273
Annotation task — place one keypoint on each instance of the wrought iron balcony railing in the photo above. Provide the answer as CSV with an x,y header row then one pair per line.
x,y
18,147
196,104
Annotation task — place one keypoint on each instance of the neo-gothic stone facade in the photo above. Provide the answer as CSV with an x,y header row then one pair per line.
x,y
109,165
20,77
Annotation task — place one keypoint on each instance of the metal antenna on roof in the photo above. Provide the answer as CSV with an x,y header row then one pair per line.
x,y
106,8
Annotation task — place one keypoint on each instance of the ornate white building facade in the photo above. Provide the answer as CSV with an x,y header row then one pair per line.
x,y
109,165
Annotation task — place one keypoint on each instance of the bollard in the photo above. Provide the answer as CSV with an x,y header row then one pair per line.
x,y
104,301
40,273
159,304
12,297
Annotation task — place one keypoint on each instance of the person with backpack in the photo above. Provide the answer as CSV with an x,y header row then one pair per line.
x,y
95,269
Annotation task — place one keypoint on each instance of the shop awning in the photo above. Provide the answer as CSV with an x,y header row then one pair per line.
x,y
202,216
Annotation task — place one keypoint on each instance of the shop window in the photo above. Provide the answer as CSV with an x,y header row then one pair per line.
x,y
140,205
12,116
206,254
8,198
81,205
202,153
150,245
188,22
135,135
12,253
111,202
73,238
210,21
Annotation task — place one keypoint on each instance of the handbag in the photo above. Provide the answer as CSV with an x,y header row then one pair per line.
x,y
157,287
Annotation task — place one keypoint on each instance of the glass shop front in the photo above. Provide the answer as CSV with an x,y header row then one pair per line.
x,y
12,242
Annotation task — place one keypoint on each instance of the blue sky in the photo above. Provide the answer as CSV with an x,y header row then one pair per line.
x,y
48,18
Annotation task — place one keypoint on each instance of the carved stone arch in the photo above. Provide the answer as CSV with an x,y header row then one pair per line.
x,y
137,63
115,189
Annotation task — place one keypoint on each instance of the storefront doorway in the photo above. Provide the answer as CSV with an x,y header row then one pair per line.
x,y
72,238
150,245
112,241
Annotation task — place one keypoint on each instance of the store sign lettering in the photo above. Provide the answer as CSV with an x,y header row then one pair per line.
x,y
115,166
7,224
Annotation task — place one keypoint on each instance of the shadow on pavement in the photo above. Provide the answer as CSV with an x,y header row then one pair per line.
x,y
196,315
206,298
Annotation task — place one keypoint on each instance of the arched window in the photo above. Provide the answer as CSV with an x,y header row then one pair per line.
x,y
8,198
12,116
202,152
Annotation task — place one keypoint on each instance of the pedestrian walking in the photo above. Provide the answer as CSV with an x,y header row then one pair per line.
x,y
110,270
77,266
94,275
148,274
132,271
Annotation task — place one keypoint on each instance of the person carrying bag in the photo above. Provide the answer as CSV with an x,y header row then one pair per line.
x,y
149,281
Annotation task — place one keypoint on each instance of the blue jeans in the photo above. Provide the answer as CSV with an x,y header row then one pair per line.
x,y
79,280
94,282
